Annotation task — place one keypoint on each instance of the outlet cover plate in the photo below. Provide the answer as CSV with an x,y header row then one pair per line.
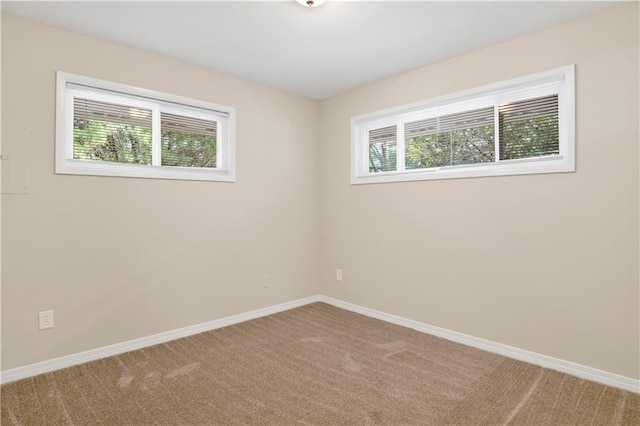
x,y
45,319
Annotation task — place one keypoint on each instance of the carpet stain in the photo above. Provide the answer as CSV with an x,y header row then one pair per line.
x,y
407,357
125,380
150,381
524,399
349,364
184,370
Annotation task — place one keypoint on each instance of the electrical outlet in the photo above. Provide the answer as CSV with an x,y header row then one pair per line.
x,y
338,274
45,319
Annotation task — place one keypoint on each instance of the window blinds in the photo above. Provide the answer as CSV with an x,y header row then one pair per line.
x,y
104,131
119,133
449,140
529,128
383,149
188,141
180,123
449,123
156,100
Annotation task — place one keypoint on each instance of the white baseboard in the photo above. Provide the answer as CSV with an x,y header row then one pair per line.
x,y
568,367
578,370
143,342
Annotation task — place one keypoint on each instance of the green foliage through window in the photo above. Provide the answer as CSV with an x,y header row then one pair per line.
x,y
450,140
188,141
188,149
119,133
527,129
383,149
111,142
104,131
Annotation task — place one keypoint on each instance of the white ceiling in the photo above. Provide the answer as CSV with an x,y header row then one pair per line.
x,y
316,52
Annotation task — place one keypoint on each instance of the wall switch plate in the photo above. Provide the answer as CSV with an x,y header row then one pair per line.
x,y
338,274
45,319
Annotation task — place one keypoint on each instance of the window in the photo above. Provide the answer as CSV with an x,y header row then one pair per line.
x,y
110,129
520,126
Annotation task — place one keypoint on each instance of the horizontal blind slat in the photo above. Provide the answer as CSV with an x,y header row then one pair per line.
x,y
180,123
530,108
89,109
138,96
421,128
467,120
529,128
449,123
384,134
188,141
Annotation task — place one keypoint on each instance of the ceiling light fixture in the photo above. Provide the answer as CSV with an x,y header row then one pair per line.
x,y
311,3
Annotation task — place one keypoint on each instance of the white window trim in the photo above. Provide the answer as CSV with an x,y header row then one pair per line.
x,y
559,80
67,84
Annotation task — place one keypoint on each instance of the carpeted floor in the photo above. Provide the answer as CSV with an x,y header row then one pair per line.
x,y
313,365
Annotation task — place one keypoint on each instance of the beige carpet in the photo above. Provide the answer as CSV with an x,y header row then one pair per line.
x,y
313,365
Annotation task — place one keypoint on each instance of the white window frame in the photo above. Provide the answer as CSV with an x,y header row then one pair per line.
x,y
560,81
70,85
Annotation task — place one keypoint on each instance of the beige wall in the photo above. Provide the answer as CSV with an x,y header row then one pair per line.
x,y
547,263
120,258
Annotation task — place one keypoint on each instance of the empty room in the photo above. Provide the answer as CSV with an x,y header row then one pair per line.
x,y
320,212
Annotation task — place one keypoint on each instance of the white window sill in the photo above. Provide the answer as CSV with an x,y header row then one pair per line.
x,y
80,167
555,164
